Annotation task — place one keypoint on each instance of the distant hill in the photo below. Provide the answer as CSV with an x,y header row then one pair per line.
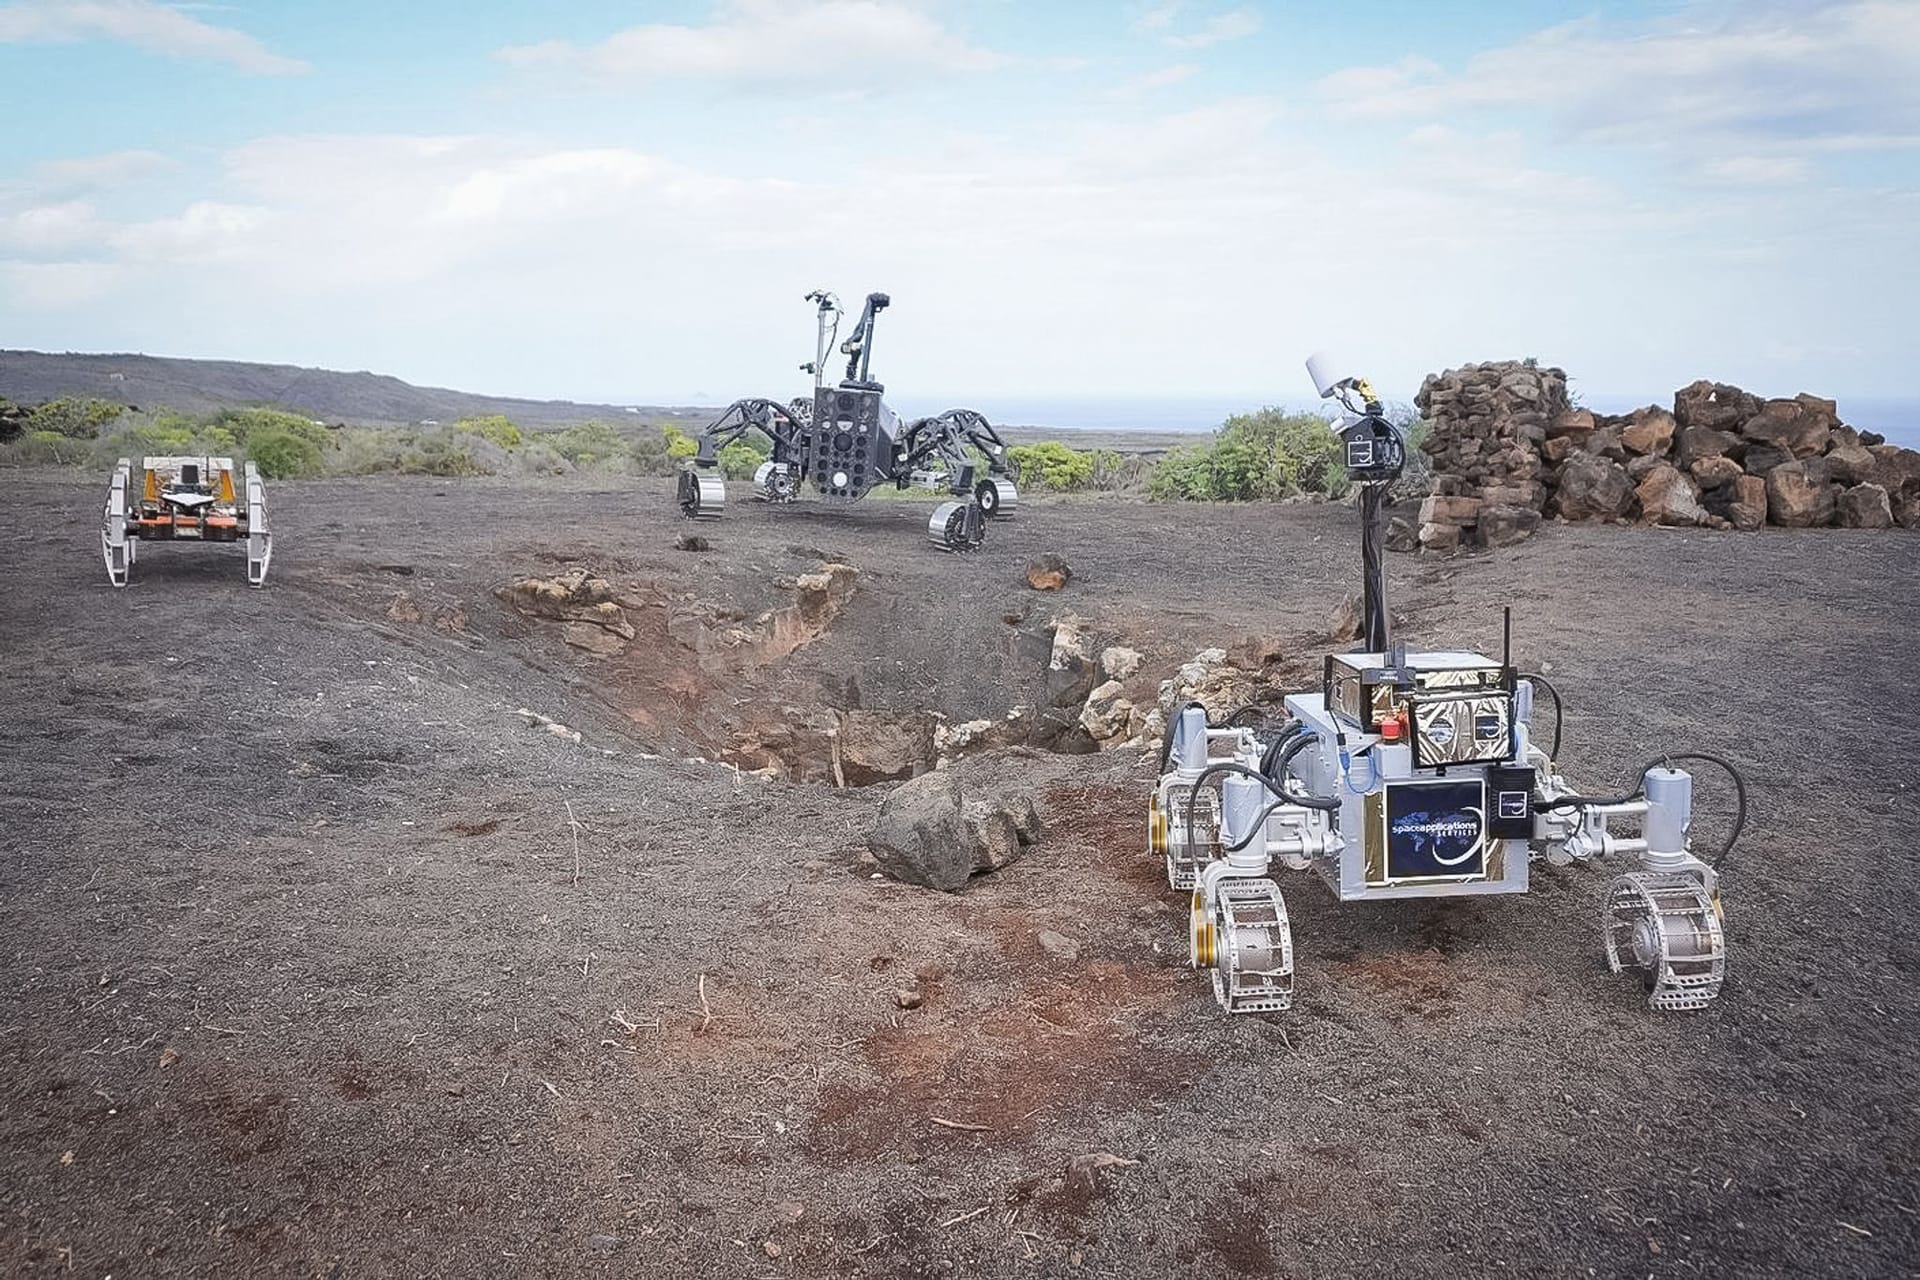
x,y
196,386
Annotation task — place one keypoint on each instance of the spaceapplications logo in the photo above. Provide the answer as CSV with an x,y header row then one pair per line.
x,y
1436,829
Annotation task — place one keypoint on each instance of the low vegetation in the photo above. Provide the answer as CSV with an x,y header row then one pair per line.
x,y
1267,455
285,445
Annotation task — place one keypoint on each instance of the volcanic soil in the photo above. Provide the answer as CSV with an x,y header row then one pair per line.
x,y
319,958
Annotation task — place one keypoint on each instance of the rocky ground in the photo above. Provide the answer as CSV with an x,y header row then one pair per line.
x,y
400,919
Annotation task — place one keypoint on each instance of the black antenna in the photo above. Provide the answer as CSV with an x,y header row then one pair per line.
x,y
1506,643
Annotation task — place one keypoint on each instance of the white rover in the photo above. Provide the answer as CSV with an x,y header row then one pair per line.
x,y
184,500
1416,775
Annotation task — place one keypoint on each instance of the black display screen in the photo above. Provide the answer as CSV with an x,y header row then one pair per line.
x,y
1436,829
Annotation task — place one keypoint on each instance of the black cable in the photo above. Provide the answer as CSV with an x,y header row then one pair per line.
x,y
1273,748
1739,790
1293,748
1740,799
1559,713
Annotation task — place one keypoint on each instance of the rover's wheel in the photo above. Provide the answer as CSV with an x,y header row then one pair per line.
x,y
1665,928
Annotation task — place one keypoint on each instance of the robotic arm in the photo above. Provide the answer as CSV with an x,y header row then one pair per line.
x,y
859,347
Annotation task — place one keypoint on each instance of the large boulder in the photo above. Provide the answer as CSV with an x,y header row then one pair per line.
x,y
1762,458
1106,714
1650,431
1711,473
1571,422
1695,443
880,746
1865,506
1455,511
1906,509
921,835
1747,509
1594,488
1713,404
1790,425
1799,495
928,833
1895,469
1506,525
1850,463
1667,497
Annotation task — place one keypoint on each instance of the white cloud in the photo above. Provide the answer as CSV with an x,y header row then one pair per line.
x,y
1758,170
842,45
50,228
99,173
1705,80
205,232
155,27
1230,24
1153,81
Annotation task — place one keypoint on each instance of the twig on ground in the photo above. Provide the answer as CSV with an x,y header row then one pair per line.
x,y
574,824
965,1217
548,1084
706,1010
958,1124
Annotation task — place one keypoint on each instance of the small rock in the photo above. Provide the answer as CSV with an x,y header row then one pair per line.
x,y
789,1211
693,542
1048,572
456,1091
1118,662
603,1244
1253,653
1401,534
1059,946
907,999
1345,621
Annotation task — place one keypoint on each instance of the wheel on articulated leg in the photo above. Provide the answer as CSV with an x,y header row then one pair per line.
x,y
775,482
1666,928
957,526
996,496
1188,851
1251,942
703,495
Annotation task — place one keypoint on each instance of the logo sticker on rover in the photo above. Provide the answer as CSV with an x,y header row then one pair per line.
x,y
1436,829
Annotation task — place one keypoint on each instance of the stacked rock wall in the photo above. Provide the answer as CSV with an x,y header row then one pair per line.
x,y
1508,448
1488,422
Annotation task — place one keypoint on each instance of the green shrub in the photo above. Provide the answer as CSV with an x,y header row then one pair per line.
x,y
680,445
495,427
243,424
1266,455
1051,465
76,417
282,454
49,448
739,460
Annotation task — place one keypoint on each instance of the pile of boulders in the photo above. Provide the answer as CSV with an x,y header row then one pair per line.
x,y
1508,449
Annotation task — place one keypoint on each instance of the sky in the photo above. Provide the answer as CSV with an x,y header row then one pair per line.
x,y
1144,198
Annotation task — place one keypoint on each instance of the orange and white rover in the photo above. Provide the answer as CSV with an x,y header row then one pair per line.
x,y
184,500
